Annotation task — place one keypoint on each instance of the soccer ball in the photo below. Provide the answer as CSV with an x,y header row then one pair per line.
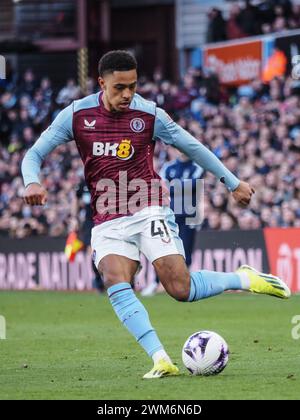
x,y
205,353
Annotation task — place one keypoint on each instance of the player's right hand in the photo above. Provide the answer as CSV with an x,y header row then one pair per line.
x,y
35,195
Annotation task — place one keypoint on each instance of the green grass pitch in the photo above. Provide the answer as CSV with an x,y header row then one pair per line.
x,y
71,346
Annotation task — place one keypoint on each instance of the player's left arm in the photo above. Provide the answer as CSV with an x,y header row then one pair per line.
x,y
171,133
59,132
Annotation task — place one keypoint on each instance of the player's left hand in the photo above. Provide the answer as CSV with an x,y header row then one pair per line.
x,y
243,194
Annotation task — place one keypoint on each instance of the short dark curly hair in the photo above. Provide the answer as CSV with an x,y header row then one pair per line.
x,y
116,60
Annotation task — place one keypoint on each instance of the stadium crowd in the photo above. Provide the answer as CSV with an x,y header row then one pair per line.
x,y
252,18
255,130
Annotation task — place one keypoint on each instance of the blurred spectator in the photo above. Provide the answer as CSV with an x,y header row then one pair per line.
x,y
233,24
216,30
253,18
249,19
68,93
28,83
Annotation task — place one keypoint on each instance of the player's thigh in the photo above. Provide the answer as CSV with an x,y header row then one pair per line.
x,y
116,259
174,275
117,269
160,236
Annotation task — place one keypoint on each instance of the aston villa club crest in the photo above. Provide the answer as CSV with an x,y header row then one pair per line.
x,y
137,125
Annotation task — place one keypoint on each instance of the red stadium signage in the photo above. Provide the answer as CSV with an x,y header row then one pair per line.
x,y
283,250
235,63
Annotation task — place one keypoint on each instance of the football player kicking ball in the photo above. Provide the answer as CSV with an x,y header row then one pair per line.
x,y
115,132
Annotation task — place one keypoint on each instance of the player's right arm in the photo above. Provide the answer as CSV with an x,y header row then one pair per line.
x,y
59,132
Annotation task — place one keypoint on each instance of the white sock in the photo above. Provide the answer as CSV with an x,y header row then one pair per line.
x,y
161,354
245,281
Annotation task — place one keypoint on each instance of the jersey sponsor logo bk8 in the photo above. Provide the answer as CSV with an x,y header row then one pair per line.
x,y
123,150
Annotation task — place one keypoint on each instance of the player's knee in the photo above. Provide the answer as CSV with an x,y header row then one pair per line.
x,y
116,270
109,282
111,277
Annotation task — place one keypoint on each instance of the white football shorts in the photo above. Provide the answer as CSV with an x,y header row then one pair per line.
x,y
152,231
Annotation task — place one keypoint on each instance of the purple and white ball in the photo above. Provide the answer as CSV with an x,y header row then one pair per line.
x,y
205,353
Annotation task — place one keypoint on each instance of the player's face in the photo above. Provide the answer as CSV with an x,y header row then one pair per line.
x,y
118,89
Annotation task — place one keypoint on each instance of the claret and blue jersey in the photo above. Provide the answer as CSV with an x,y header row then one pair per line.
x,y
111,143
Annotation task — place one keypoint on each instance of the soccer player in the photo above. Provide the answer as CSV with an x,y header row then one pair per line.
x,y
115,131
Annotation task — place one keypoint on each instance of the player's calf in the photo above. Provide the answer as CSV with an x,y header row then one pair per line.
x,y
179,289
185,286
174,276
